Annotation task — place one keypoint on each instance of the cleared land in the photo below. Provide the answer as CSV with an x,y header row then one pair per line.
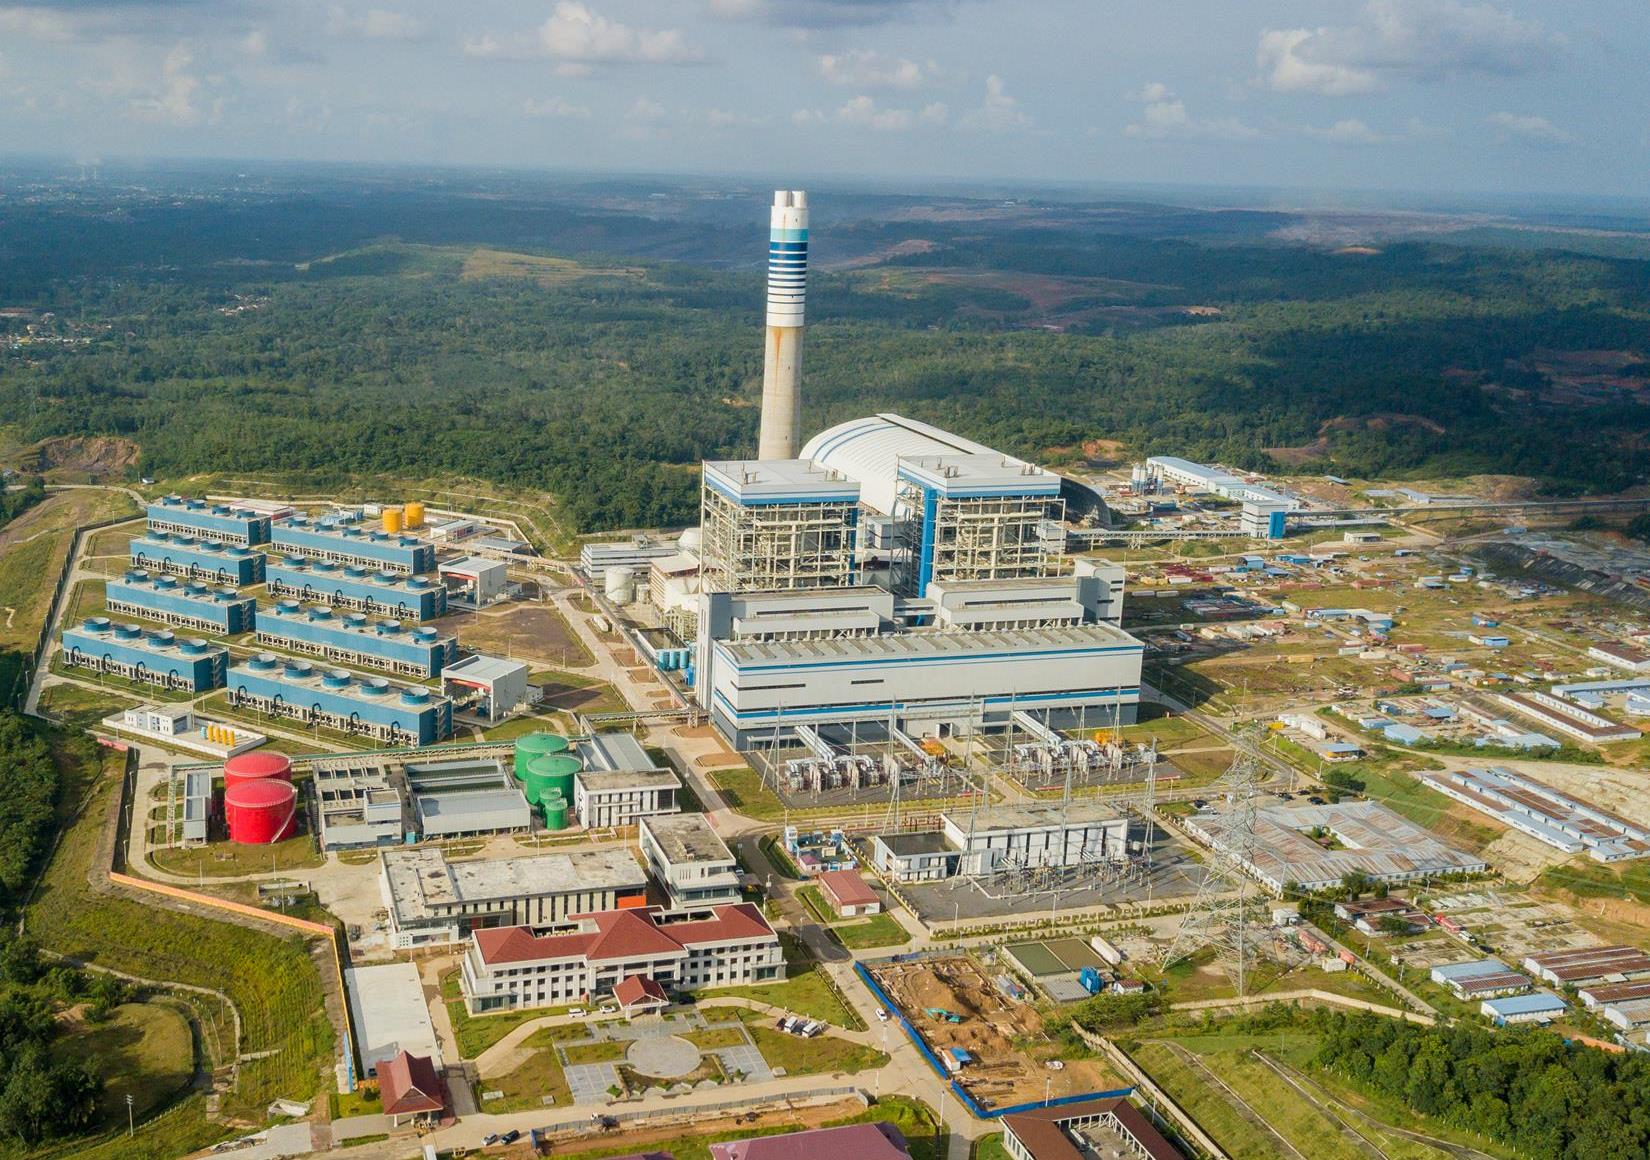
x,y
527,631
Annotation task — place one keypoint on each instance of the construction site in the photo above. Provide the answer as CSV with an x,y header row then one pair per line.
x,y
987,1040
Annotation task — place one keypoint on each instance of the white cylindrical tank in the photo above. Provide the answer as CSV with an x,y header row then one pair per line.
x,y
691,540
620,585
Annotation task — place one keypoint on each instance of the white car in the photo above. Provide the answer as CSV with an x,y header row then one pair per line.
x,y
576,1012
882,1015
608,1009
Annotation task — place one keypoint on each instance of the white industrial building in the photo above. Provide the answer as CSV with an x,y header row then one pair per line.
x,y
487,687
689,859
474,580
390,1014
1005,838
620,784
431,900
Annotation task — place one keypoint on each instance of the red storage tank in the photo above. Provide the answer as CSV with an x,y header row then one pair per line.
x,y
256,765
260,812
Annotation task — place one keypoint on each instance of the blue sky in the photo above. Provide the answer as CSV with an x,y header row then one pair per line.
x,y
1429,95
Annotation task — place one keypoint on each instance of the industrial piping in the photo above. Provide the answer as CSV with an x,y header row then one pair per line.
x,y
781,435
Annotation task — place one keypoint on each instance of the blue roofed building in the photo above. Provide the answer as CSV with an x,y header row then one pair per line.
x,y
196,559
182,604
1536,1007
352,639
352,586
350,542
334,699
156,657
175,515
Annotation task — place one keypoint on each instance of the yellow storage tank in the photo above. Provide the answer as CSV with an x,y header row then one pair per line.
x,y
394,519
414,512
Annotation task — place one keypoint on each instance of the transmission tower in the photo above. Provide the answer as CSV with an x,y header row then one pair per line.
x,y
1219,917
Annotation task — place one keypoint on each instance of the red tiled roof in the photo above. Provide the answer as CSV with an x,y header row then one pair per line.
x,y
638,989
409,1085
630,934
874,1141
847,888
621,934
735,921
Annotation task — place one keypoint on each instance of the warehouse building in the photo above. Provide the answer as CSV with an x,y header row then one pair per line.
x,y
352,639
333,699
1567,718
212,561
430,900
350,586
1371,840
465,797
1536,1007
473,581
389,1013
1531,807
176,516
1481,979
1621,655
490,688
156,657
1578,967
522,966
620,784
342,540
189,604
776,525
689,859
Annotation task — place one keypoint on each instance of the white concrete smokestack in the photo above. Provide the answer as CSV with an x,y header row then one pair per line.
x,y
781,436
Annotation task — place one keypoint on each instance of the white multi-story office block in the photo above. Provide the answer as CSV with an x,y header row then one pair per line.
x,y
689,860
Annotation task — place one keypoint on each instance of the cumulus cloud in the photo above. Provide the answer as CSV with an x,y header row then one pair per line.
x,y
1163,115
56,20
375,24
581,37
1425,40
553,107
1000,112
1525,127
174,100
863,68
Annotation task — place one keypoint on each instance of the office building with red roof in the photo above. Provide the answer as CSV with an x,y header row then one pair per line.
x,y
591,955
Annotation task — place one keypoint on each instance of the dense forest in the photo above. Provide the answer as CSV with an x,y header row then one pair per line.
x,y
43,1096
28,799
1525,1088
279,337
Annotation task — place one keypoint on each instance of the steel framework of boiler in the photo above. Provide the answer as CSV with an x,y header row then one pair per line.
x,y
764,547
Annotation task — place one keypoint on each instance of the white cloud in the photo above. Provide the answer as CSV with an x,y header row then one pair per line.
x,y
645,110
1000,112
553,107
1350,131
375,24
1426,40
174,100
39,23
864,112
725,119
255,43
812,14
581,37
1163,115
862,68
1524,127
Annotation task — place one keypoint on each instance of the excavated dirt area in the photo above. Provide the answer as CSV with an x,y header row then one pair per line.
x,y
1006,1039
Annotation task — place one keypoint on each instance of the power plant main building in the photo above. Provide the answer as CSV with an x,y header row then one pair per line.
x,y
890,575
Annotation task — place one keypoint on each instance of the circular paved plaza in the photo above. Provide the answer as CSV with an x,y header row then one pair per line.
x,y
664,1056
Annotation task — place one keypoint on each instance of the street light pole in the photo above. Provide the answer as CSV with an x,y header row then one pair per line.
x,y
131,1125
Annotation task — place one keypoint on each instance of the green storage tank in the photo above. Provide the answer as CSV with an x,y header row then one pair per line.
x,y
555,812
537,745
550,776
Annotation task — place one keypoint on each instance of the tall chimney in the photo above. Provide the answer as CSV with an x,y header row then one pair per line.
x,y
781,436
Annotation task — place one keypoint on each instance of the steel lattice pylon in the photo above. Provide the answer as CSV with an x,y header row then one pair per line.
x,y
1219,917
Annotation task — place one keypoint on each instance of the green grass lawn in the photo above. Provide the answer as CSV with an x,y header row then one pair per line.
x,y
228,859
525,1088
806,993
989,1148
605,1051
81,708
143,1050
857,934
742,788
712,1038
821,1055
272,979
